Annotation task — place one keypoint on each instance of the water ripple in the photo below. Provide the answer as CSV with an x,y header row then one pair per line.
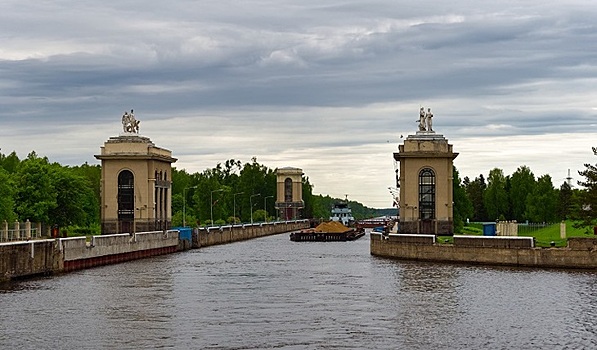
x,y
270,293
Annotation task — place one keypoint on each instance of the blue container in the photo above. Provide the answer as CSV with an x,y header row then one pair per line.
x,y
185,233
489,230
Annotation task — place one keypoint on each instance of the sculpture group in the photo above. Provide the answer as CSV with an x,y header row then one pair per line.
x,y
425,120
129,123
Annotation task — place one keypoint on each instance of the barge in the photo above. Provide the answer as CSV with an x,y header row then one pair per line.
x,y
331,231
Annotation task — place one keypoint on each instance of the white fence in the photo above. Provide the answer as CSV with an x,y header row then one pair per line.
x,y
20,231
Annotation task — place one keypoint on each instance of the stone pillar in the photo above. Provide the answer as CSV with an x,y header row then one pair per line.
x,y
28,229
39,233
563,230
514,228
5,232
17,230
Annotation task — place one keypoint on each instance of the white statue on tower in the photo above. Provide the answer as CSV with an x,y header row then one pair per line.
x,y
422,119
429,120
425,120
129,123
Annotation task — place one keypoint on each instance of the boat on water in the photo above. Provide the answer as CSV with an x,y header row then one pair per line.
x,y
331,231
313,236
342,213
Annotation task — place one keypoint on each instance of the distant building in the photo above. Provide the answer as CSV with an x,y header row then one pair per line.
x,y
289,193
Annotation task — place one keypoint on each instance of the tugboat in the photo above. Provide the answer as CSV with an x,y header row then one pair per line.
x,y
342,213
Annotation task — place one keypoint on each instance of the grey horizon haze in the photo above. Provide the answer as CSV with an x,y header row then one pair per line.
x,y
327,87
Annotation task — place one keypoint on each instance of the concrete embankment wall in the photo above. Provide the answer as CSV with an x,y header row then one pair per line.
x,y
37,257
28,258
109,249
581,253
227,234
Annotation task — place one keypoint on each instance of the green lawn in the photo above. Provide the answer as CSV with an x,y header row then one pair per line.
x,y
543,235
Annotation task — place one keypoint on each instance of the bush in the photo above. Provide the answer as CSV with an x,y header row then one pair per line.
x,y
93,229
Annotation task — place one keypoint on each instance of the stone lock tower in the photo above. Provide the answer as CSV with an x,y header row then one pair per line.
x,y
136,191
425,181
289,193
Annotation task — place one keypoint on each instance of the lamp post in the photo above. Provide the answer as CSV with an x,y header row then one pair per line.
x,y
184,205
211,203
265,206
251,203
234,205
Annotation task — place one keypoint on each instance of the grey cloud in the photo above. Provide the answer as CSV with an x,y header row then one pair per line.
x,y
279,77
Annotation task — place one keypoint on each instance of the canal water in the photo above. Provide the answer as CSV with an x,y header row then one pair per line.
x,y
270,293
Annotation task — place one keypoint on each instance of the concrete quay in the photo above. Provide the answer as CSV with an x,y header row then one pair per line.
x,y
204,237
50,256
581,252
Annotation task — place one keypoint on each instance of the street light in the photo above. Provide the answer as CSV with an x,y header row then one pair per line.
x,y
211,203
251,203
265,206
184,205
234,205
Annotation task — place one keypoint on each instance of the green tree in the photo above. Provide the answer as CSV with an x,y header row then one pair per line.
x,y
542,204
76,202
255,179
321,207
587,212
10,163
307,198
496,197
259,215
92,175
6,197
565,201
463,207
475,191
35,196
522,185
180,180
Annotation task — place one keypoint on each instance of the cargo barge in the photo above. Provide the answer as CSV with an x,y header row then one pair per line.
x,y
332,231
312,236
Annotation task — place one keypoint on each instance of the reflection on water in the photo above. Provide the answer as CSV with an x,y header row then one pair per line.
x,y
271,293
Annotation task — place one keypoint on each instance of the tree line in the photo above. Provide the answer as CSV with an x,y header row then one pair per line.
x,y
235,192
523,197
38,190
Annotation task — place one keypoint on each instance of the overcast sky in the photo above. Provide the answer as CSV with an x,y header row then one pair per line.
x,y
326,86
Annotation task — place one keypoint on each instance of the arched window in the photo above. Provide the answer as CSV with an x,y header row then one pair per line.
x,y
288,190
427,194
126,195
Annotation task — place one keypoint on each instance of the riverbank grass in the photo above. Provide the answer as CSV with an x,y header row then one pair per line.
x,y
544,236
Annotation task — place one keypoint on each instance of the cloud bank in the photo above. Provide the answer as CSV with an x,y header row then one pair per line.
x,y
325,87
